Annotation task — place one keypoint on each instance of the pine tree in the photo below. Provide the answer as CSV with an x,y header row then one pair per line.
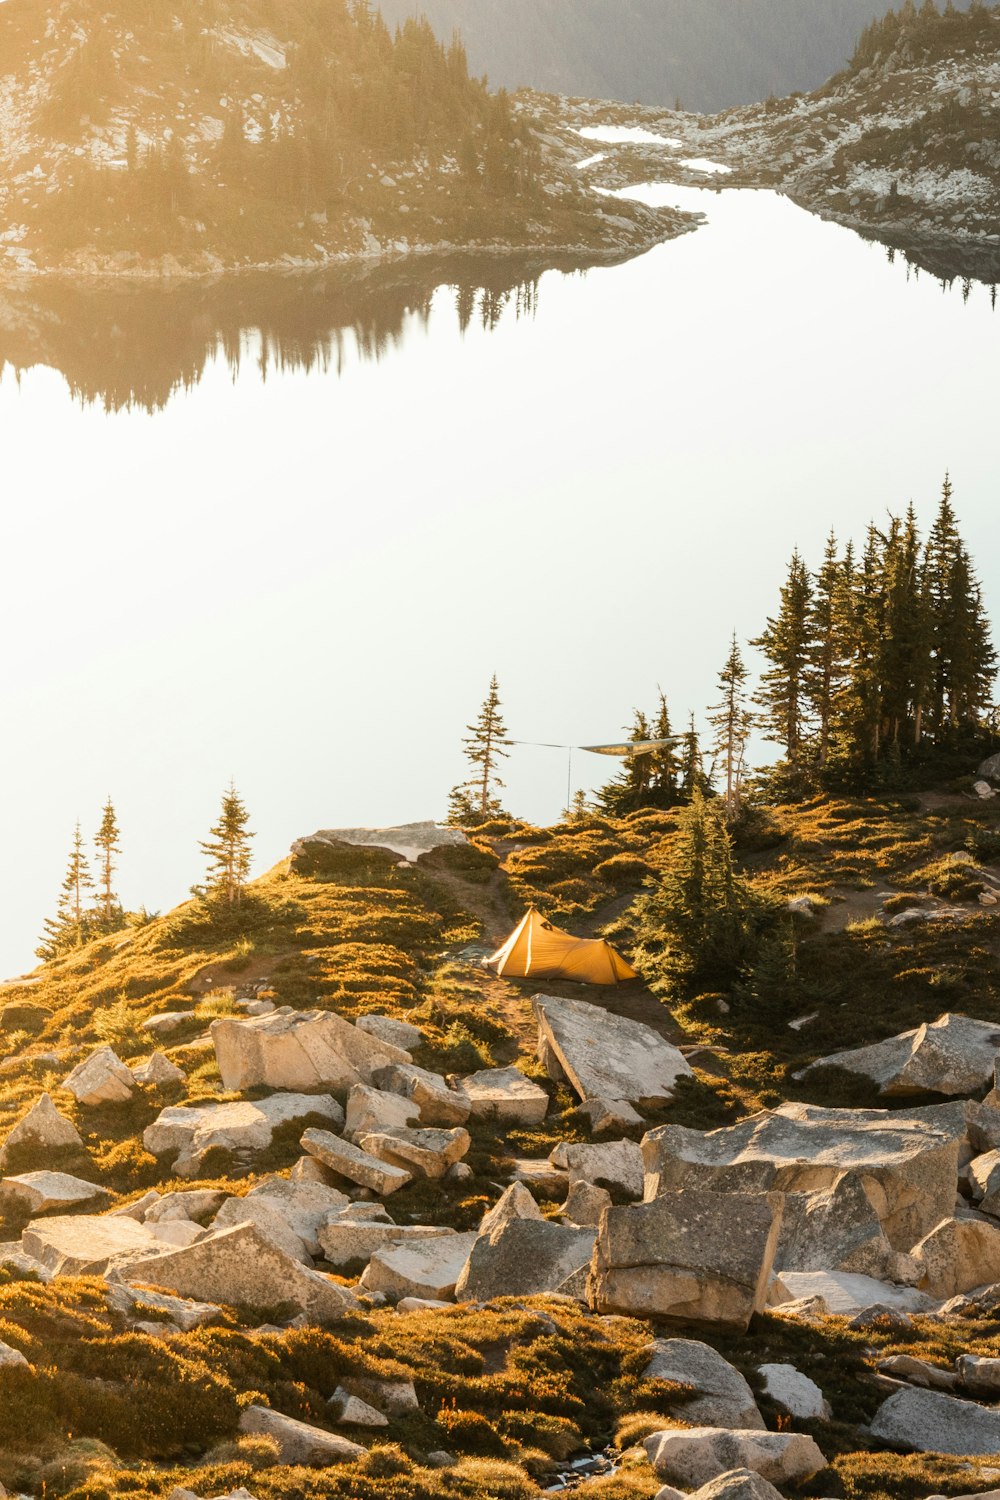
x,y
699,924
731,719
665,763
831,630
485,744
628,790
228,850
787,644
108,848
693,781
70,926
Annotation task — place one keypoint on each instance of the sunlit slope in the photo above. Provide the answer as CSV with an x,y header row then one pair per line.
x,y
203,137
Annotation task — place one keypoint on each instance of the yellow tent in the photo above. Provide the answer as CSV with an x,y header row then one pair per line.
x,y
537,950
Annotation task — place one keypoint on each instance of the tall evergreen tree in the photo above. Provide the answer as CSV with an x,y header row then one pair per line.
x,y
693,781
665,763
731,719
831,627
786,642
108,849
485,745
228,850
69,927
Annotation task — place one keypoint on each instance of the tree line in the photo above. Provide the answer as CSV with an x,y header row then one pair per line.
x,y
89,906
878,667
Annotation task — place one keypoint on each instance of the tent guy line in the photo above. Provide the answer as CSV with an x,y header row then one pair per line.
x,y
619,747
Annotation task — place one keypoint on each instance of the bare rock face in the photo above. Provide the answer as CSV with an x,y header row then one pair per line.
x,y
299,1442
239,1266
191,1131
957,1256
409,841
101,1079
349,1161
523,1258
370,1109
930,1422
585,1203
85,1244
907,1161
693,1257
304,1206
438,1104
700,1454
269,1221
618,1163
952,1055
40,1192
42,1129
426,1268
298,1049
345,1239
723,1397
423,1153
400,1034
794,1392
505,1095
845,1294
515,1202
840,1229
604,1056
158,1072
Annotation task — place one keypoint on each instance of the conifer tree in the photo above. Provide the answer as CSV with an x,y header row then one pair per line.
x,y
693,780
698,924
787,645
69,927
831,627
485,745
731,719
665,762
108,848
228,850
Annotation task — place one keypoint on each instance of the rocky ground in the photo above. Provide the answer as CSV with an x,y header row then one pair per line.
x,y
300,1200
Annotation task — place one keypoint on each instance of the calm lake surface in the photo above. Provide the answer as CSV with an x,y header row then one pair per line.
x,y
285,531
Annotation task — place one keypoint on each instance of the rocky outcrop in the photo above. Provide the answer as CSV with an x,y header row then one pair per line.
x,y
298,1050
239,1266
698,1455
722,1397
401,1034
505,1095
515,1202
40,1192
952,1055
930,1422
604,1056
428,1268
86,1244
299,1442
350,1161
102,1078
370,1109
189,1132
908,1161
44,1130
423,1153
694,1257
438,1104
523,1258
957,1256
346,1238
409,841
840,1229
618,1164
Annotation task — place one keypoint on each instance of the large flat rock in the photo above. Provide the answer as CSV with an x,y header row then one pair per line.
x,y
41,1192
298,1049
908,1162
604,1056
427,1268
190,1131
846,1294
953,1055
506,1096
930,1422
350,1161
523,1257
86,1244
693,1257
238,1266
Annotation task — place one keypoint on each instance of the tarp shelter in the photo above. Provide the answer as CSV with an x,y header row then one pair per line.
x,y
538,950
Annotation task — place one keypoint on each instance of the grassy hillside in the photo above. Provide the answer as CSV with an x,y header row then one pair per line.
x,y
509,1391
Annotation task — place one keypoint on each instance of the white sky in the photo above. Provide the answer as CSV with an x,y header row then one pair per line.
x,y
306,584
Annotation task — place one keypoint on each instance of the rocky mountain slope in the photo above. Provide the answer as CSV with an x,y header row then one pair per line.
x,y
709,54
300,1200
903,145
134,139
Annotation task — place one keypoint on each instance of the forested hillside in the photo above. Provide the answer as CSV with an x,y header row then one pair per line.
x,y
276,132
709,54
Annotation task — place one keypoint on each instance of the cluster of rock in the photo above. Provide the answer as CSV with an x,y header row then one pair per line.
x,y
801,1210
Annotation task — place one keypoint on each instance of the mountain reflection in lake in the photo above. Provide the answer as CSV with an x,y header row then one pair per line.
x,y
130,343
